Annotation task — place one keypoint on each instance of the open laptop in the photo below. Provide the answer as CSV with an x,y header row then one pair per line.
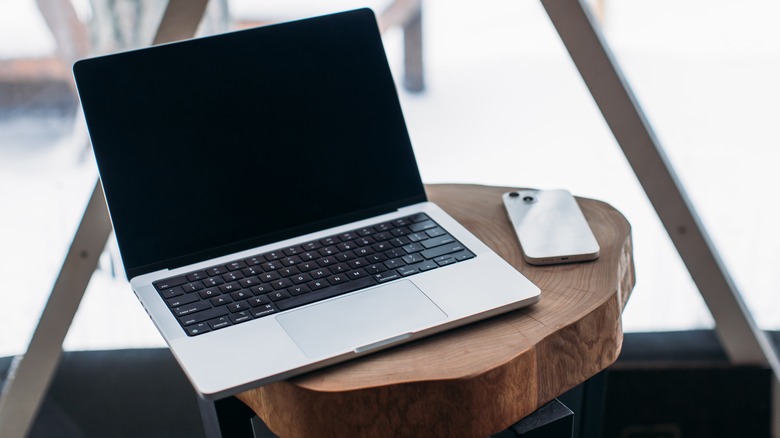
x,y
268,207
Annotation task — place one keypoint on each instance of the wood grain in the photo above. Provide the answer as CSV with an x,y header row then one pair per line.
x,y
479,379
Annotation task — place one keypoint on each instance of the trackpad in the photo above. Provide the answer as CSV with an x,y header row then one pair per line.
x,y
360,320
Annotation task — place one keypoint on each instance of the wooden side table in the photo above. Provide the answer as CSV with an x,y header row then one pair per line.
x,y
479,379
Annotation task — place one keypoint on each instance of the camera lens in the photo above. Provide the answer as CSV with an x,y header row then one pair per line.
x,y
528,198
514,195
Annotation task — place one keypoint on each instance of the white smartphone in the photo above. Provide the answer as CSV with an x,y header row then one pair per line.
x,y
550,227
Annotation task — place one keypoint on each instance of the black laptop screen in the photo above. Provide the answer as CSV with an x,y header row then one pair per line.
x,y
223,143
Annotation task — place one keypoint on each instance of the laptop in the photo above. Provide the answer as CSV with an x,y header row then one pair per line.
x,y
268,207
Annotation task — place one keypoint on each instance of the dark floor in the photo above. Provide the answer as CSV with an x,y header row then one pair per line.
x,y
665,385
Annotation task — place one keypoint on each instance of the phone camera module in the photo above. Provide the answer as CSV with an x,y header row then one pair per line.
x,y
514,195
528,198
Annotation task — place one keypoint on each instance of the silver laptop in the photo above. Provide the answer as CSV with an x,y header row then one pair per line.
x,y
268,207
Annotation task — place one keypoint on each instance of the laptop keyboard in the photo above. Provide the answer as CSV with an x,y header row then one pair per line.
x,y
262,285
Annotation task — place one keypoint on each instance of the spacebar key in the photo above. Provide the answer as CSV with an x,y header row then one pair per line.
x,y
328,292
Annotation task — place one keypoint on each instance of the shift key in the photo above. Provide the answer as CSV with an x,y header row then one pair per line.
x,y
441,250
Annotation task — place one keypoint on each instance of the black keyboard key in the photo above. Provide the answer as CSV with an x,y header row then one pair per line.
x,y
291,261
238,306
293,250
399,232
209,293
283,283
376,258
357,263
253,261
394,263
249,281
416,237
349,235
192,287
235,266
413,258
327,292
288,272
308,266
328,251
438,241
319,273
298,290
169,283
202,316
220,322
214,281
301,278
400,241
273,255
341,267
381,246
325,261
422,226
419,217
183,300
252,270
221,300
364,241
309,255
258,301
346,246
233,276
318,284
426,265
279,295
463,255
357,273
272,266
384,235
384,277
401,222
413,248
310,246
229,287
442,250
261,289
242,316
395,253
366,231
408,270
387,226
198,329
241,295
338,279
436,232
362,252
445,260
191,308
268,277
216,270
375,269
172,292
195,276
329,241
345,256
264,310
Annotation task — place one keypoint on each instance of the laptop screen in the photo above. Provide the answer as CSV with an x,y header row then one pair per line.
x,y
223,143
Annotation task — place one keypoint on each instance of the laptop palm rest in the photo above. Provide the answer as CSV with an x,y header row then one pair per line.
x,y
361,321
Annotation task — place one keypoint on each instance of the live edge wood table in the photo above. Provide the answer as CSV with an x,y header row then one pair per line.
x,y
480,379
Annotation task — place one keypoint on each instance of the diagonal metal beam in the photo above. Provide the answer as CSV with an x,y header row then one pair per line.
x,y
740,336
30,375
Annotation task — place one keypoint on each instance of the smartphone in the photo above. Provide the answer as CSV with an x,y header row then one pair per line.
x,y
550,227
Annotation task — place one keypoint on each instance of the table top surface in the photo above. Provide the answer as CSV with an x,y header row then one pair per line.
x,y
495,371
